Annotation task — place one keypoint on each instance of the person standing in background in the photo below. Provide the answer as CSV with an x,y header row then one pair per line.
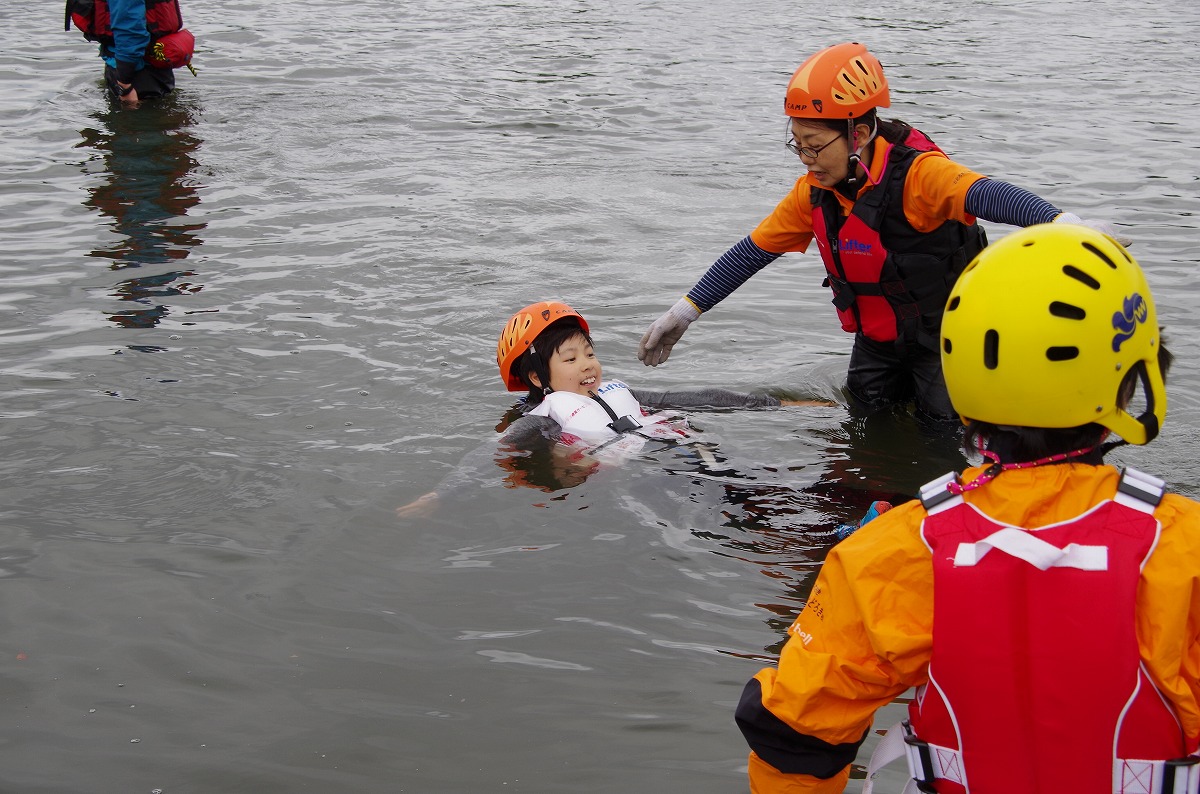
x,y
141,42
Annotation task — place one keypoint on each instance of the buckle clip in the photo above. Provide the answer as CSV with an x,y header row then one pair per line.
x,y
923,759
624,425
1187,765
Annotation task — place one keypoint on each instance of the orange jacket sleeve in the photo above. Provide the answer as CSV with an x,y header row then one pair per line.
x,y
936,191
789,227
863,638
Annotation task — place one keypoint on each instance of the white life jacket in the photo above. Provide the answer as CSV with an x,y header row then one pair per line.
x,y
585,422
1035,678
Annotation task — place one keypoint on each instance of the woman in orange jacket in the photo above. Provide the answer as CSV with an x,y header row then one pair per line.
x,y
894,220
1045,605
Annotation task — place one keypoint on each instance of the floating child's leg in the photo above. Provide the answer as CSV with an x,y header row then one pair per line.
x,y
846,530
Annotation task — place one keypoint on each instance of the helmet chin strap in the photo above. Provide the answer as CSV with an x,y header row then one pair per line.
x,y
856,154
540,369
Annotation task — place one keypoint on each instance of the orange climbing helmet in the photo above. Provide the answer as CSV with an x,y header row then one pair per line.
x,y
839,82
520,331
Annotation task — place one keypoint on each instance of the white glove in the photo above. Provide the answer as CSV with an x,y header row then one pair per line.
x,y
665,332
1104,227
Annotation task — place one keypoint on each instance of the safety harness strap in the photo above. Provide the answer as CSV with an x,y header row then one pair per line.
x,y
619,424
926,762
1139,490
1176,776
936,498
930,762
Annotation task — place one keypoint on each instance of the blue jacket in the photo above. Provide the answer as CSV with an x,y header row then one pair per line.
x,y
131,38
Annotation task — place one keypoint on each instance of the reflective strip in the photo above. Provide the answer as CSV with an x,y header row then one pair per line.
x,y
1033,550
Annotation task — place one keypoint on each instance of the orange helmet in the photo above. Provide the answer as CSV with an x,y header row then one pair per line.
x,y
520,331
839,82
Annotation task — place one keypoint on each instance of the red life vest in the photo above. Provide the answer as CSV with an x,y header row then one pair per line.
x,y
1035,679
889,280
91,17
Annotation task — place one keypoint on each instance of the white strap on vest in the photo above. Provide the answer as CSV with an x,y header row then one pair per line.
x,y
935,497
1136,490
1156,777
927,762
1139,490
1033,550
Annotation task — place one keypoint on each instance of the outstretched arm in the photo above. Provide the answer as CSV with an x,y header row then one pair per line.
x,y
733,269
729,272
1000,202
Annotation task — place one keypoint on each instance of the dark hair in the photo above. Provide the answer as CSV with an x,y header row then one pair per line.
x,y
1020,444
536,360
891,130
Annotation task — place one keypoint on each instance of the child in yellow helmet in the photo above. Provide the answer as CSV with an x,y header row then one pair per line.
x,y
1043,604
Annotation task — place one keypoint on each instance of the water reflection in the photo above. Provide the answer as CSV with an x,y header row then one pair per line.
x,y
781,523
146,187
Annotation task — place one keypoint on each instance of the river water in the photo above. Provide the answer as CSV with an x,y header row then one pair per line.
x,y
238,328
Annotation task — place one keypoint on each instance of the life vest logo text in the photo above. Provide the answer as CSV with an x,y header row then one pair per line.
x,y
853,247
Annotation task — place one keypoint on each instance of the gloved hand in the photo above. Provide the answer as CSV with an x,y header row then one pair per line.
x,y
1104,227
656,345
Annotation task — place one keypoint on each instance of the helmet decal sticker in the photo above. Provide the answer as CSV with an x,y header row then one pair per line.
x,y
1133,312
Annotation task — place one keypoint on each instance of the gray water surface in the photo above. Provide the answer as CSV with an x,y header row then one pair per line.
x,y
238,328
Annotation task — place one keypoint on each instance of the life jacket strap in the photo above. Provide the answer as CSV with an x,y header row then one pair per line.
x,y
1136,489
1033,550
1174,776
936,497
1139,490
928,763
619,424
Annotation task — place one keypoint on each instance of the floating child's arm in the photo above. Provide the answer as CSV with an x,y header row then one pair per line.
x,y
531,430
477,467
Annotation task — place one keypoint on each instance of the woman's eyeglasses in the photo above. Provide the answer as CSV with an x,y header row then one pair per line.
x,y
805,151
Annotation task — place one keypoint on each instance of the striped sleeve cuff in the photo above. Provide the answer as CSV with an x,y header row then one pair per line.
x,y
733,269
1000,202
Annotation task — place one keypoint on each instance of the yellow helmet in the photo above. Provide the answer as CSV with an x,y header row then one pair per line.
x,y
1043,326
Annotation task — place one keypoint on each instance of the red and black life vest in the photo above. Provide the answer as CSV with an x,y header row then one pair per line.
x,y
91,17
1035,679
889,280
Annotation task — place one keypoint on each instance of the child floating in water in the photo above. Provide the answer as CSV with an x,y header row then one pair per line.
x,y
546,349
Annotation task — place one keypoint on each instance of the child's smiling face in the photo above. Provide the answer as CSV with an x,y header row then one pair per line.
x,y
574,367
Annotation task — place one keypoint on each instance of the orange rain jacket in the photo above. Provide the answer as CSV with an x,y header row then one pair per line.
x,y
864,637
934,192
